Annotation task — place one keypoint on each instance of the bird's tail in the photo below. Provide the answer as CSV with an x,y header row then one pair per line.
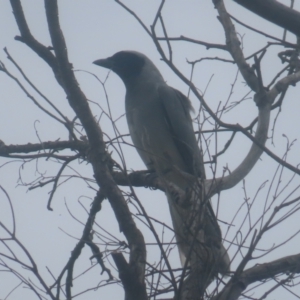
x,y
198,234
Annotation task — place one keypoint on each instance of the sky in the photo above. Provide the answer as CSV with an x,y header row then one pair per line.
x,y
98,29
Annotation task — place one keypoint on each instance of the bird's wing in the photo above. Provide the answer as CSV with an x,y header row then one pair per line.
x,y
177,112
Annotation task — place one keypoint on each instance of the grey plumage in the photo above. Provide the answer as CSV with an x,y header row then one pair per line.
x,y
161,129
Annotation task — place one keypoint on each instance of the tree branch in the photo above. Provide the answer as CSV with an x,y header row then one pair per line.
x,y
274,12
233,45
133,288
7,150
97,155
288,264
28,39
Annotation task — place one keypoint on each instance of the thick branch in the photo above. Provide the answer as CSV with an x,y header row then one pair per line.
x,y
97,154
133,288
274,12
257,148
263,99
6,150
139,179
233,45
27,38
288,264
252,157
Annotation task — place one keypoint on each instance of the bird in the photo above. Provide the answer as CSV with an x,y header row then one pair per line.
x,y
161,129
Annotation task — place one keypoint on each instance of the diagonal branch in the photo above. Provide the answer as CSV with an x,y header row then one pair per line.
x,y
274,12
288,264
233,46
28,39
98,155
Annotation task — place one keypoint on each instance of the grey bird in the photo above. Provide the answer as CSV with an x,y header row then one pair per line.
x,y
161,129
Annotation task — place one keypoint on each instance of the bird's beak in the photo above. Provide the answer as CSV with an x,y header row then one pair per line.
x,y
105,63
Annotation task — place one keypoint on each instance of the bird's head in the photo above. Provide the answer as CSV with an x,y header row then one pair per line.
x,y
130,65
127,64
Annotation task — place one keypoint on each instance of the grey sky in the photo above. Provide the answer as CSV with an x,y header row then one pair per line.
x,y
97,29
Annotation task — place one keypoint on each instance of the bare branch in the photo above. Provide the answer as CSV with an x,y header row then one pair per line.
x,y
282,42
190,40
97,154
233,45
274,12
27,38
7,150
288,264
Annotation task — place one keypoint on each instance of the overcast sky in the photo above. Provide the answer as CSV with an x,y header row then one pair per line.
x,y
97,29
